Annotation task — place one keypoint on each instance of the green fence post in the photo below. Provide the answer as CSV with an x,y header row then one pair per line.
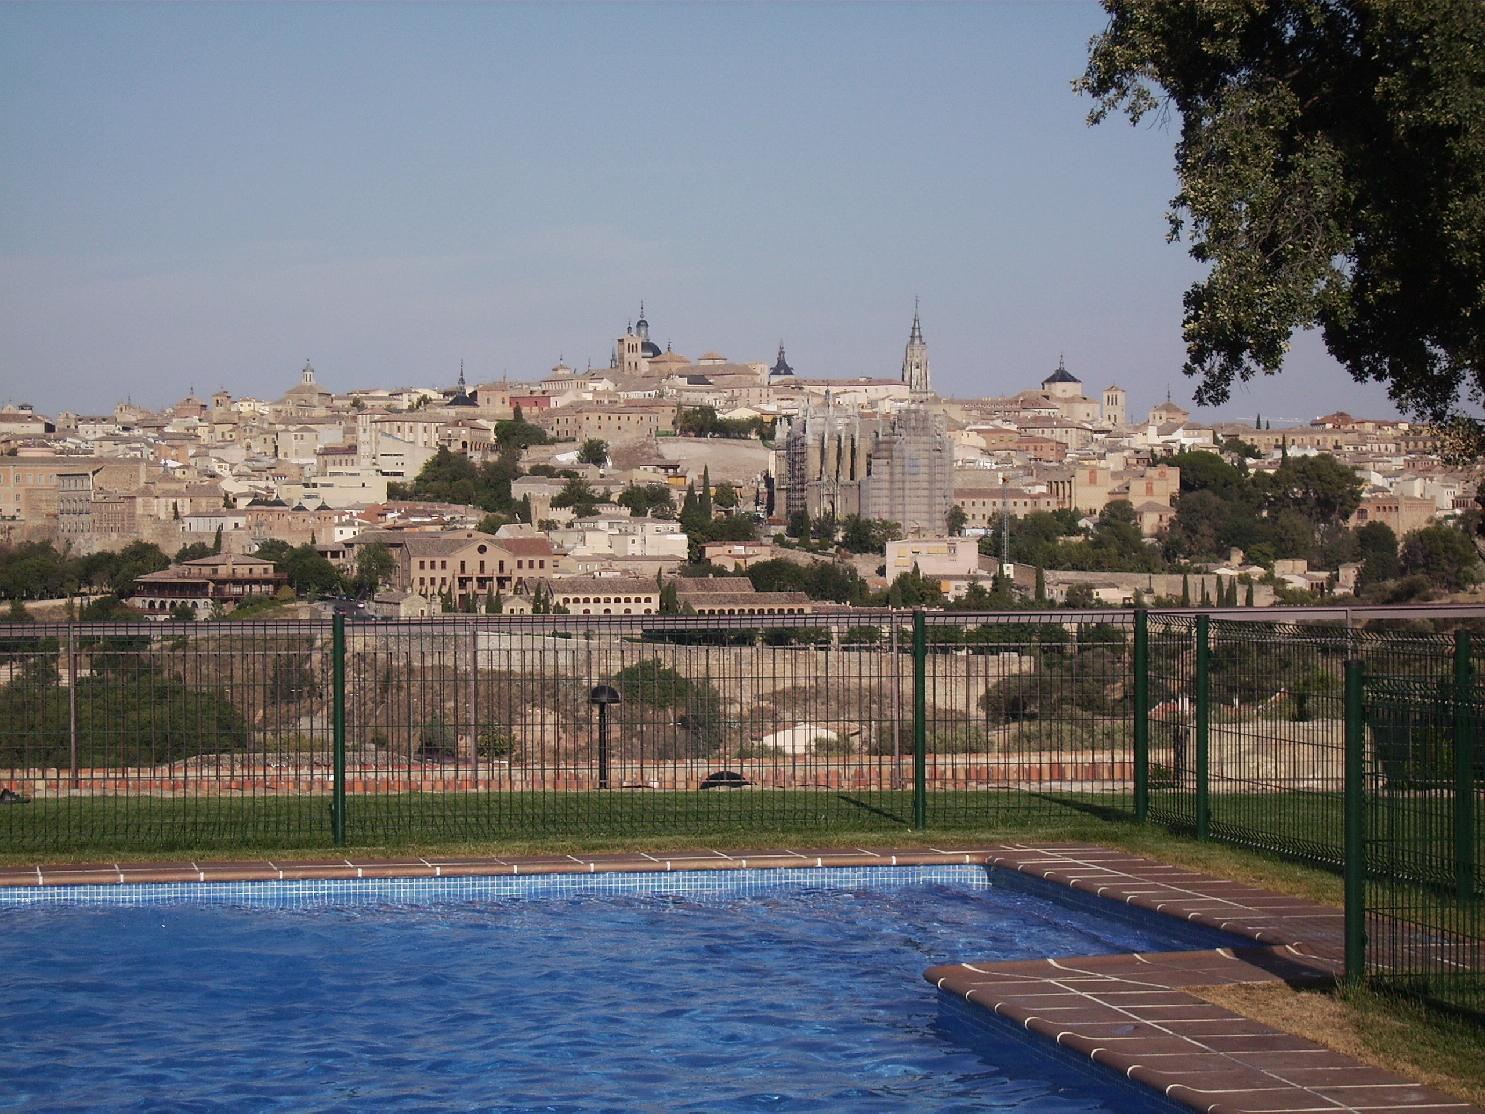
x,y
337,800
1464,769
1141,714
1355,835
920,721
1203,726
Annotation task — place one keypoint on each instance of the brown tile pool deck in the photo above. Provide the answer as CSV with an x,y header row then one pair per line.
x,y
1127,1013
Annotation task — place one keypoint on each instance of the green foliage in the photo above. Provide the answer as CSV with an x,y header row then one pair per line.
x,y
725,496
913,589
1059,685
796,636
1332,175
518,434
703,421
867,535
580,496
375,566
1296,511
798,525
192,552
1054,540
1443,556
139,716
594,451
310,573
700,527
495,742
647,499
954,521
834,581
436,740
695,705
1377,550
451,477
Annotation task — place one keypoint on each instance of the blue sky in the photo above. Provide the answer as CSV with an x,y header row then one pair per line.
x,y
209,194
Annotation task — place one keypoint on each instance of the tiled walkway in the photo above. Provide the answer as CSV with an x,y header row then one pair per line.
x,y
1126,1012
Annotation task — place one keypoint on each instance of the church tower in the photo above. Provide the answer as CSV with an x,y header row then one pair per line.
x,y
915,359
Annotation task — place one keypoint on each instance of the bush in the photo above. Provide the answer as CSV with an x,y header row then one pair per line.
x,y
832,745
436,741
494,742
139,717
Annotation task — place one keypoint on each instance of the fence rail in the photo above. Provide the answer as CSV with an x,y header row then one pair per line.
x,y
1342,737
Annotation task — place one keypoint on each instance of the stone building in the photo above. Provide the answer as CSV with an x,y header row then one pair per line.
x,y
895,468
223,581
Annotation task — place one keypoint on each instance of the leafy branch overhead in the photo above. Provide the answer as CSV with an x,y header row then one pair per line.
x,y
1332,175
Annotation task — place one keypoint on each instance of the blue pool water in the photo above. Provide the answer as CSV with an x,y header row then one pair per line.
x,y
735,994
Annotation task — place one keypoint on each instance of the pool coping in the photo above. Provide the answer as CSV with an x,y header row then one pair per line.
x,y
1128,1013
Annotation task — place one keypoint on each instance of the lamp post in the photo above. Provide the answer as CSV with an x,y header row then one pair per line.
x,y
601,697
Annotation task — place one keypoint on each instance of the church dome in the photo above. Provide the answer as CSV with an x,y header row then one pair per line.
x,y
1061,375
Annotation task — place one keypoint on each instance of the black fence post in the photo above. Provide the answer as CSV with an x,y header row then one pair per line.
x,y
1464,769
1355,824
1203,727
337,658
1141,714
920,721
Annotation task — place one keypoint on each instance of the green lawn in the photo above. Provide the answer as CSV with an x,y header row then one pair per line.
x,y
216,825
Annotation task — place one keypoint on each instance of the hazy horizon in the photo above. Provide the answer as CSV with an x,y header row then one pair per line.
x,y
205,195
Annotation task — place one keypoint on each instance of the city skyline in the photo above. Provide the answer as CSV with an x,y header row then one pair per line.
x,y
206,196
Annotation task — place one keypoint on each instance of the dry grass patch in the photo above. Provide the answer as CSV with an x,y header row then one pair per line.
x,y
1385,1032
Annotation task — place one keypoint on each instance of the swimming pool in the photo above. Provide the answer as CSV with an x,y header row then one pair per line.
x,y
739,990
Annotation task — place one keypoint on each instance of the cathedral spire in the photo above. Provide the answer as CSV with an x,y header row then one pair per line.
x,y
915,372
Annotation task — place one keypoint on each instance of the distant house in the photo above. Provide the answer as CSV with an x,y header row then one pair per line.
x,y
224,581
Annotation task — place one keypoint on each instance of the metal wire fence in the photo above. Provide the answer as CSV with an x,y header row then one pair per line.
x,y
1350,748
228,736
1422,832
1353,748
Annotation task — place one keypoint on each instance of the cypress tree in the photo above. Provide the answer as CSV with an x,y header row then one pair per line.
x,y
1185,590
1248,599
1039,591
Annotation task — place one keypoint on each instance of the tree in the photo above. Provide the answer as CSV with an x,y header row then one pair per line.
x,y
647,499
954,521
580,496
1332,175
799,525
867,535
1442,555
594,452
725,496
1320,487
1377,545
192,552
375,566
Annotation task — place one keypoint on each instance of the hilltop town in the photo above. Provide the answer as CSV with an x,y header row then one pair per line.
x,y
710,485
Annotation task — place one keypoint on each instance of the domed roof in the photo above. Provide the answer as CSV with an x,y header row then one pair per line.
x,y
649,350
1061,375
